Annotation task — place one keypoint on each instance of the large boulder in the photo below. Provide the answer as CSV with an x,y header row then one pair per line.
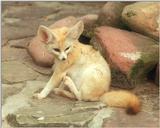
x,y
110,14
143,17
37,48
39,53
89,24
129,54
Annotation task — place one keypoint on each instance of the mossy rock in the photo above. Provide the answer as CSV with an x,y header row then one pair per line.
x,y
131,56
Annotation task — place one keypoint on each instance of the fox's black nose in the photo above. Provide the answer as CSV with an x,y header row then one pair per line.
x,y
63,58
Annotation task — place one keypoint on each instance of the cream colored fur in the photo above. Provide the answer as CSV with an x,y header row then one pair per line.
x,y
78,67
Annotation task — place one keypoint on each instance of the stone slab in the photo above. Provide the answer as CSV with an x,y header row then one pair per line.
x,y
15,71
52,111
43,70
20,43
9,90
13,54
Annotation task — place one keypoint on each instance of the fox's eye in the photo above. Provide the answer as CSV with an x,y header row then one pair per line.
x,y
56,49
67,48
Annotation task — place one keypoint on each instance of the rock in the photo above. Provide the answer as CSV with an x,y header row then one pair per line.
x,y
89,24
37,68
39,53
128,53
89,21
81,105
97,121
29,11
15,71
149,95
44,78
27,119
15,30
9,90
32,112
20,43
67,21
22,99
110,14
142,17
157,75
120,119
37,48
9,54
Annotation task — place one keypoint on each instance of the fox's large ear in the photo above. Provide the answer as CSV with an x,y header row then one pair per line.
x,y
75,32
45,34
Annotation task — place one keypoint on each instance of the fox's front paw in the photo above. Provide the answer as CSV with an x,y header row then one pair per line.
x,y
38,96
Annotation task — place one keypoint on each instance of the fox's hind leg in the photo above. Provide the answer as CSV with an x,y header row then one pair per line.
x,y
72,87
64,93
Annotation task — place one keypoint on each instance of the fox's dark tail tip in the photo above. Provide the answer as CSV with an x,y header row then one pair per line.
x,y
131,111
134,108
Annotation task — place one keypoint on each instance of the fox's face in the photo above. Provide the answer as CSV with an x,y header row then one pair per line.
x,y
60,41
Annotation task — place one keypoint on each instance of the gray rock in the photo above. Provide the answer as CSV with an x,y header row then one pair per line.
x,y
13,32
97,121
9,54
11,20
43,78
52,111
29,11
15,71
80,105
143,17
120,119
89,24
37,68
9,90
23,28
20,43
50,120
21,99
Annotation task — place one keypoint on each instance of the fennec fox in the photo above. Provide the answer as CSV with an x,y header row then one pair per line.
x,y
81,69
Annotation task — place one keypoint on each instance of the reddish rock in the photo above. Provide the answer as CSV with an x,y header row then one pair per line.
x,y
130,53
143,17
37,48
39,53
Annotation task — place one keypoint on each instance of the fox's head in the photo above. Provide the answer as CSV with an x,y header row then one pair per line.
x,y
60,41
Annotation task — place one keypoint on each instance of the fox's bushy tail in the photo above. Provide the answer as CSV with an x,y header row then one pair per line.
x,y
123,99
